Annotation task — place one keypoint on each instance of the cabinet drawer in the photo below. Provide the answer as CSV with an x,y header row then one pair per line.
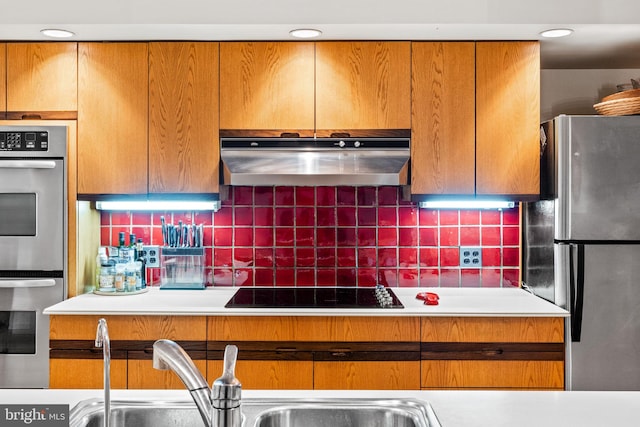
x,y
268,374
85,373
372,375
142,375
501,329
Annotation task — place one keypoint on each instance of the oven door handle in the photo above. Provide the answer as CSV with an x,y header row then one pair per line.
x,y
27,164
37,283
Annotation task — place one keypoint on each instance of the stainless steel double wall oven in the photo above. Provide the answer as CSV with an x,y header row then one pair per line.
x,y
33,248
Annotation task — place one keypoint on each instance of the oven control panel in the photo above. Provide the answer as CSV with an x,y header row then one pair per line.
x,y
24,141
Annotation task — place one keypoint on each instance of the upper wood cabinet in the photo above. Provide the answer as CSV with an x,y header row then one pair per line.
x,y
508,118
113,109
3,78
363,85
42,80
267,85
183,117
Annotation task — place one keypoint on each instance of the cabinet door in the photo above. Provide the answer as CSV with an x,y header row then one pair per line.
x,y
113,110
267,85
42,78
363,85
366,375
183,117
3,78
268,374
508,118
85,373
443,118
142,375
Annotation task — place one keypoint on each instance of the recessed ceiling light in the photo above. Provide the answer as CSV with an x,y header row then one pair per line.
x,y
305,33
57,33
556,32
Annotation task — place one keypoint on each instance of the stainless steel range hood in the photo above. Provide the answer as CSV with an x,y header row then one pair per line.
x,y
315,161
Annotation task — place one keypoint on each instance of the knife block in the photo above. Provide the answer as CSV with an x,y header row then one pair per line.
x,y
182,268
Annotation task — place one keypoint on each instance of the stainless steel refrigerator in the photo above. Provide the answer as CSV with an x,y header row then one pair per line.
x,y
581,245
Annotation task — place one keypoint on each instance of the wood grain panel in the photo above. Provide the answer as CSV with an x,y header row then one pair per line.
x,y
313,328
499,329
363,85
142,375
3,79
85,373
267,85
492,374
443,118
42,76
508,118
113,109
366,375
268,374
187,328
184,151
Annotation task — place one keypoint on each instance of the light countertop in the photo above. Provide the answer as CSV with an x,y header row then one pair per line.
x,y
453,408
211,301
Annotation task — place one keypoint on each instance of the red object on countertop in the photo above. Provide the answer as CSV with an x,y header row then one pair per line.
x,y
429,298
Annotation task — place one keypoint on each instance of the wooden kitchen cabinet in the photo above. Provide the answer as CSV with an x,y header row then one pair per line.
x,y
267,374
3,78
267,86
363,85
42,80
76,373
113,110
184,151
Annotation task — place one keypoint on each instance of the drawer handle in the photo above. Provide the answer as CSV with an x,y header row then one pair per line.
x,y
493,352
340,352
31,117
286,349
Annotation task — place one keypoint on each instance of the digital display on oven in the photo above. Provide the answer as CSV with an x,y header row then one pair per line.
x,y
18,213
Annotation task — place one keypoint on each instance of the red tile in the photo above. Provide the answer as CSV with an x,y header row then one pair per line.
x,y
490,236
285,277
284,236
429,277
222,277
305,217
346,277
387,217
326,196
305,236
366,217
491,257
470,278
346,257
408,236
141,218
511,277
387,237
263,237
305,196
346,216
510,257
347,196
428,217
326,217
243,216
264,257
469,217
243,257
156,236
222,257
449,236
185,217
242,196
155,277
263,216
429,257
469,236
284,217
428,236
449,257
346,237
284,196
263,277
326,277
408,257
366,196
243,236
511,236
208,257
387,196
408,216
263,196
207,236
105,236
285,257
490,277
243,277
490,217
224,217
305,277
511,216
388,277
367,277
367,236
387,257
105,218
115,235
222,236
449,277
367,257
143,233
326,257
305,257
325,237
448,217
408,278
202,217
120,218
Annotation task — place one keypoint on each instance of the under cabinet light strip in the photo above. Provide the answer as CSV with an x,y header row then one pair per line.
x,y
467,204
159,205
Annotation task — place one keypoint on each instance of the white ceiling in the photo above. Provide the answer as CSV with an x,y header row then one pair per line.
x,y
607,32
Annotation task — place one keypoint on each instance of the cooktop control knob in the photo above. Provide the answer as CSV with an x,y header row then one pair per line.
x,y
342,144
356,144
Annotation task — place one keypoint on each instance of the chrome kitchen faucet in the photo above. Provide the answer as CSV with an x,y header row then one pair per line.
x,y
102,340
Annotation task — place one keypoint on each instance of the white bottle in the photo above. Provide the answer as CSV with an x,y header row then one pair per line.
x,y
101,259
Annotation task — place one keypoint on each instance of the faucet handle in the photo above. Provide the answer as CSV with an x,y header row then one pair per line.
x,y
226,390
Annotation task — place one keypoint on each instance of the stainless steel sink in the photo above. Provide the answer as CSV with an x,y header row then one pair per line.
x,y
264,413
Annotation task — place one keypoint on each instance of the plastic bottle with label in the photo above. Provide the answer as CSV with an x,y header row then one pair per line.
x,y
119,277
101,259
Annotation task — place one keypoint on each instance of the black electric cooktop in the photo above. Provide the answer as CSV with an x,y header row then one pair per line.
x,y
311,297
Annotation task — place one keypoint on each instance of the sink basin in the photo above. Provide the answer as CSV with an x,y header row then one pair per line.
x,y
264,413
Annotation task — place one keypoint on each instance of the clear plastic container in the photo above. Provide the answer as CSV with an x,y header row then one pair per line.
x,y
182,268
119,277
130,277
107,277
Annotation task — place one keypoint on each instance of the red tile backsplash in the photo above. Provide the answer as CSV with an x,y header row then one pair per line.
x,y
345,236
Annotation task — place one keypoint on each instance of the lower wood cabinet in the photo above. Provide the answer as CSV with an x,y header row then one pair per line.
x,y
85,373
366,375
268,374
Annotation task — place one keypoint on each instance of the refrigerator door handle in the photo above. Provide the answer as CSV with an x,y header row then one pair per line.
x,y
576,275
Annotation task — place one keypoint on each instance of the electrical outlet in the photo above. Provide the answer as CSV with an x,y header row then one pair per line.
x,y
151,255
470,257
